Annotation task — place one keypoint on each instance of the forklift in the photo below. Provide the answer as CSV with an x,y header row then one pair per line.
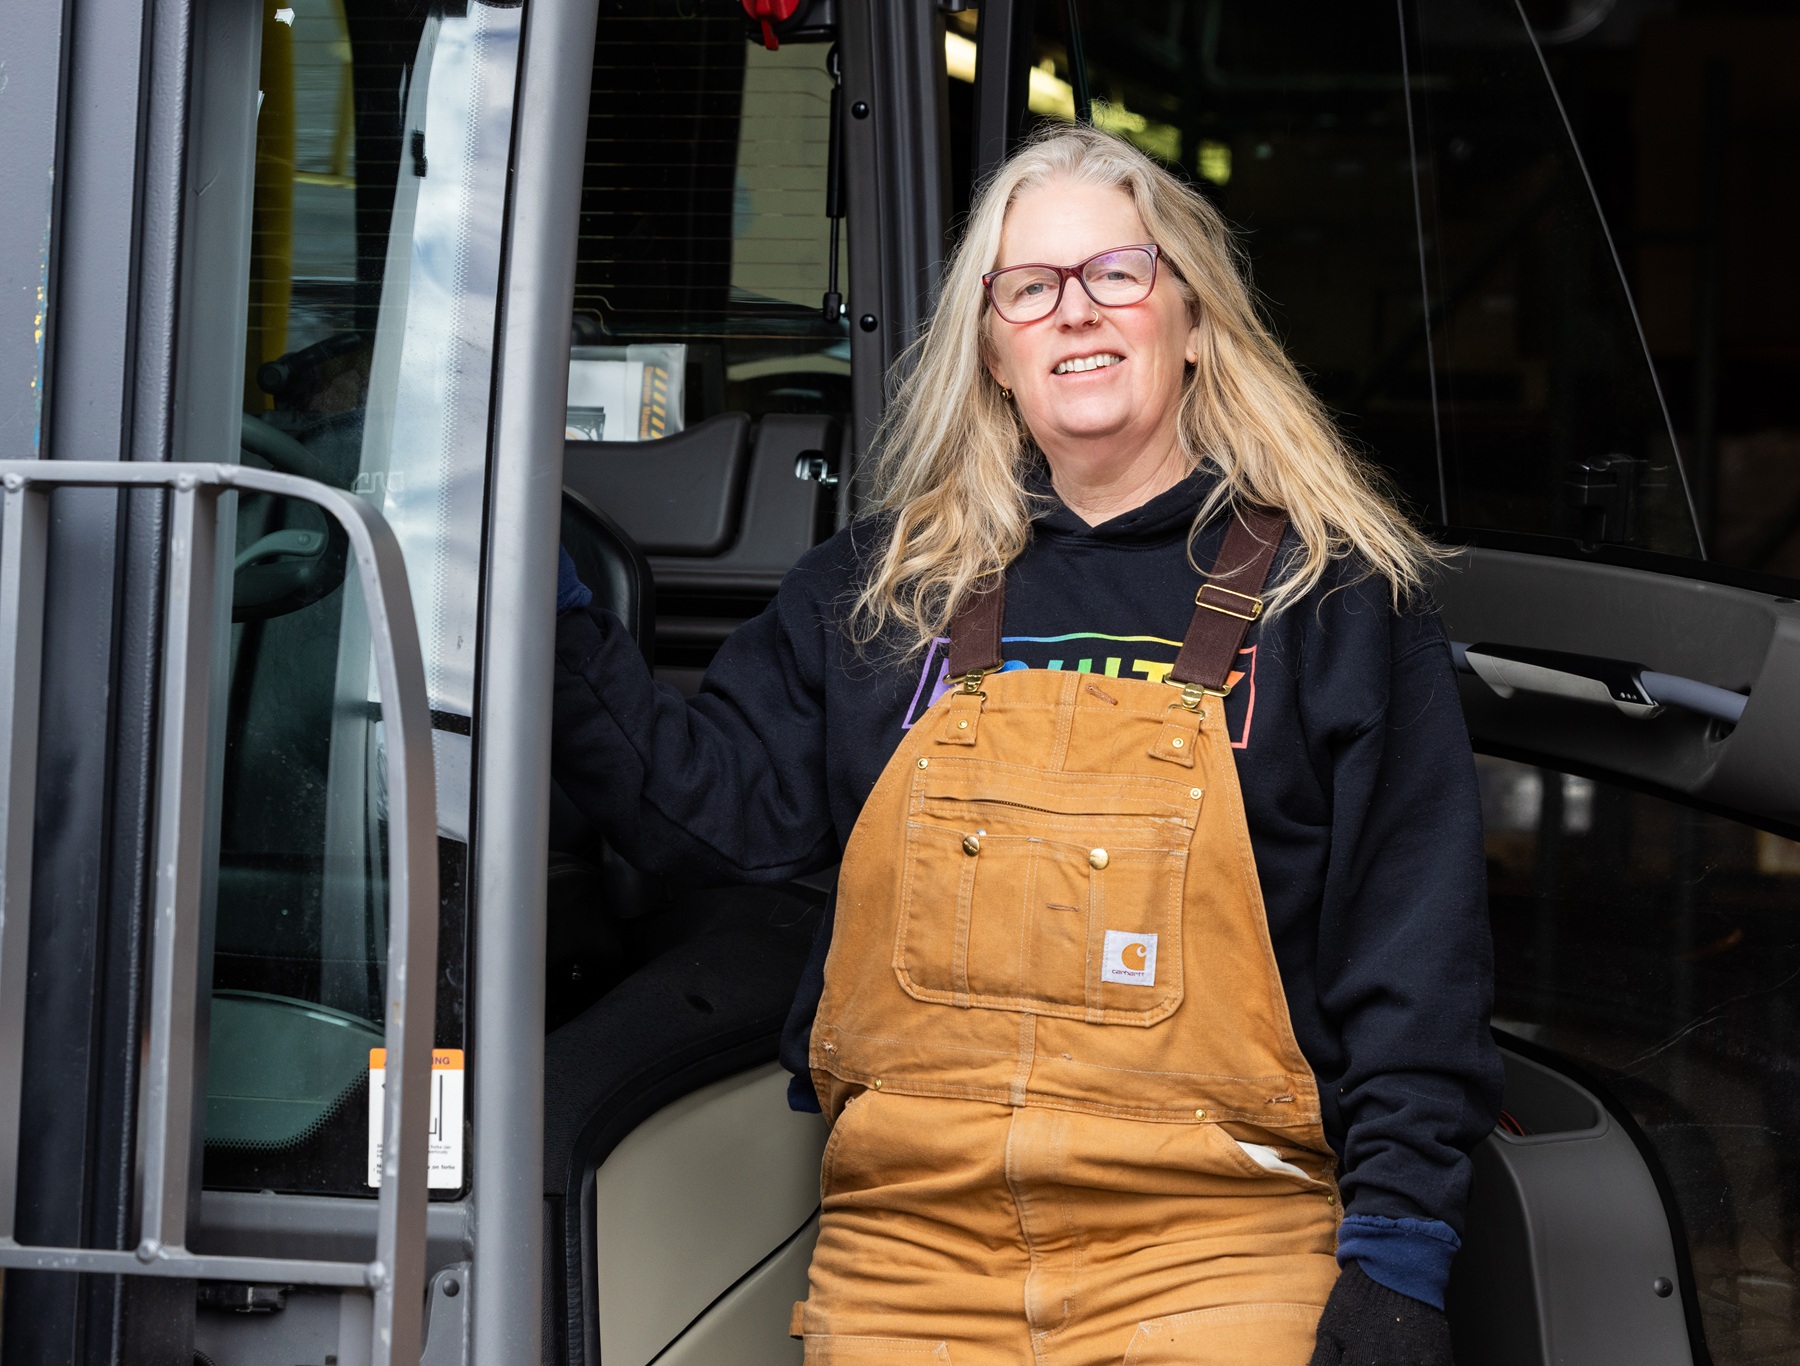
x,y
330,1032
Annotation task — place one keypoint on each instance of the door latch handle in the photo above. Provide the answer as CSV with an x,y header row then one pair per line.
x,y
812,465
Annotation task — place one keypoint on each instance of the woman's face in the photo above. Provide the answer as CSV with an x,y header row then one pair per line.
x,y
1125,406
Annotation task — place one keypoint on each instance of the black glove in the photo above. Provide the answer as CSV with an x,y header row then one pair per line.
x,y
1366,1324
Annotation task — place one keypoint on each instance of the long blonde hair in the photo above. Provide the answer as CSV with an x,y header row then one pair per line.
x,y
954,455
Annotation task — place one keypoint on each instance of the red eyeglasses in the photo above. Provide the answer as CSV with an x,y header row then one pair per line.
x,y
1115,278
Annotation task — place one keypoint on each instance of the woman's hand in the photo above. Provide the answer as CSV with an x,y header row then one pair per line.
x,y
571,592
1366,1324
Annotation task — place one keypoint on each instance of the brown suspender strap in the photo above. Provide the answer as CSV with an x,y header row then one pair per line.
x,y
1226,604
975,629
1229,600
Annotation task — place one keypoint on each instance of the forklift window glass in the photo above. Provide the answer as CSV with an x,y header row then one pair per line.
x,y
381,155
1657,946
1519,397
703,224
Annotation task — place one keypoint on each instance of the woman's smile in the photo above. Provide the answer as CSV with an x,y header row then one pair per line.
x,y
1080,365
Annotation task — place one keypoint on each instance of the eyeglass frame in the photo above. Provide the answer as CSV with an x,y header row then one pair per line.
x,y
1066,273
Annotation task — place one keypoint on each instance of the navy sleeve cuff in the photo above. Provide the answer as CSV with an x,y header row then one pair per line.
x,y
1409,1256
571,592
801,1095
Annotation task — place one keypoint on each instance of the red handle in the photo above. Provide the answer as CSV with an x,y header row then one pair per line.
x,y
768,13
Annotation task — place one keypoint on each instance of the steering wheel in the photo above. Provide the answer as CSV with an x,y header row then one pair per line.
x,y
287,455
294,567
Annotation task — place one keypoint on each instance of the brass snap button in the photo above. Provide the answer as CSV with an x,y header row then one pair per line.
x,y
924,763
962,725
971,845
1194,792
1098,858
1177,742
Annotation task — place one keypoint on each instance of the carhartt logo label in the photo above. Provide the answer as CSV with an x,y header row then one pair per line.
x,y
1130,959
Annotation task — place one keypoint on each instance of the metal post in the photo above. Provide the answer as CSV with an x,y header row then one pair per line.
x,y
165,1121
24,533
512,800
1003,35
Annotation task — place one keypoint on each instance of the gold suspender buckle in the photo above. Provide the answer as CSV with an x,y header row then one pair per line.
x,y
972,682
1193,694
1247,608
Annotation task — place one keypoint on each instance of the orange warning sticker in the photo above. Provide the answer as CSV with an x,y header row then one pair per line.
x,y
445,1169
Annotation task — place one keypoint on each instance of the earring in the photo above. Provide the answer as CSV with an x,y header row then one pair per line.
x,y
1006,393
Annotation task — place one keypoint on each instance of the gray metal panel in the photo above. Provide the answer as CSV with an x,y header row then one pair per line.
x,y
170,47
447,1313
148,1323
870,351
1729,637
313,1228
512,800
96,180
61,1183
1600,1243
198,401
1003,35
99,264
317,1228
1566,1242
24,528
916,161
895,177
102,274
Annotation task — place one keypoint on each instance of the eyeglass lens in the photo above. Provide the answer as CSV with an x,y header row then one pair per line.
x,y
1024,294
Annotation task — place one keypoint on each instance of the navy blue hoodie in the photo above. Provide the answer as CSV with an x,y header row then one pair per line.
x,y
1359,790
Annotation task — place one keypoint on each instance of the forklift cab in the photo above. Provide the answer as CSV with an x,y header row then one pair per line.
x,y
389,298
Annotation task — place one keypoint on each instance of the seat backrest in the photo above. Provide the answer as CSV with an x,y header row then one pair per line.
x,y
611,564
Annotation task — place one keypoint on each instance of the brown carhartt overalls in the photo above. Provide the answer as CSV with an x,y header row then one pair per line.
x,y
1071,1125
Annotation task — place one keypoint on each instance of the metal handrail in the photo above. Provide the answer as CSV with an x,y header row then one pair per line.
x,y
168,1096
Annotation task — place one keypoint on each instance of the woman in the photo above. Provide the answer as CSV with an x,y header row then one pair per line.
x,y
1152,1022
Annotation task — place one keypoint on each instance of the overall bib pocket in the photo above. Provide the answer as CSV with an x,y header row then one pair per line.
x,y
1054,893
